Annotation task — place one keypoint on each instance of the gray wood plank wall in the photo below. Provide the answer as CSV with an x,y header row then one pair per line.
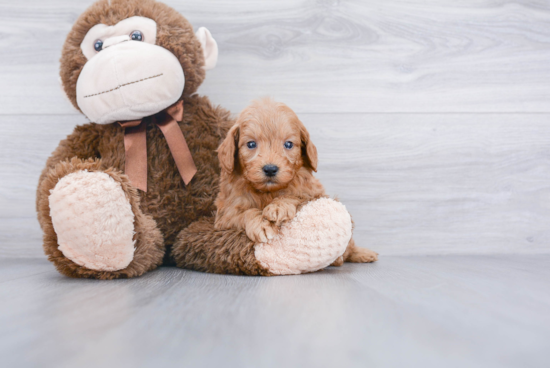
x,y
431,117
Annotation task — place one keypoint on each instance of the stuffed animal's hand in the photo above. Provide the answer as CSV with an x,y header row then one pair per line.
x,y
261,230
279,212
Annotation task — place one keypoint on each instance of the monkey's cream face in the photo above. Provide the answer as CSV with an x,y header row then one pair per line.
x,y
128,76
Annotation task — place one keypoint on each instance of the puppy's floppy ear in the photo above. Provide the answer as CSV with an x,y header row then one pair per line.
x,y
228,150
309,151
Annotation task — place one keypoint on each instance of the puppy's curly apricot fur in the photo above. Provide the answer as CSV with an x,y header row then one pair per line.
x,y
267,161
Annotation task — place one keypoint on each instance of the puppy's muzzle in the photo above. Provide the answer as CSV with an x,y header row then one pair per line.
x,y
270,170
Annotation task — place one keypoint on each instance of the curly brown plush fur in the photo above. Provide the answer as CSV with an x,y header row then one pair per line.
x,y
169,206
201,248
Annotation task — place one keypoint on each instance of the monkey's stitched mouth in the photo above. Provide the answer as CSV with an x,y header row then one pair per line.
x,y
123,85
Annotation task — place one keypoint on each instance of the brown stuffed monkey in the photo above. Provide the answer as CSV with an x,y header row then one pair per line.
x,y
135,188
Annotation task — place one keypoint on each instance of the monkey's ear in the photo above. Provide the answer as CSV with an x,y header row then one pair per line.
x,y
228,150
209,48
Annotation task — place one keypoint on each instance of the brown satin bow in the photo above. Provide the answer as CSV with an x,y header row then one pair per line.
x,y
135,145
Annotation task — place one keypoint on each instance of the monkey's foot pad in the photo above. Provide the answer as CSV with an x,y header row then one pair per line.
x,y
93,221
312,240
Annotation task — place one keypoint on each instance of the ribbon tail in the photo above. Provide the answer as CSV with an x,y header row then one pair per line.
x,y
178,147
135,146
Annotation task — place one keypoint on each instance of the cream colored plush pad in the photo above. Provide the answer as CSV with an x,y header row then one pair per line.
x,y
312,240
93,221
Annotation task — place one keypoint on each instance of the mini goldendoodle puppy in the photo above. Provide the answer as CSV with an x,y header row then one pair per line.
x,y
267,161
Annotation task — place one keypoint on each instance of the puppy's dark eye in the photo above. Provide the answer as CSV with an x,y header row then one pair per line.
x,y
136,36
251,144
98,45
289,144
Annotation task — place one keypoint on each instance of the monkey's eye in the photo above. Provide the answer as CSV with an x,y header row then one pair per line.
x,y
289,144
136,36
251,144
98,45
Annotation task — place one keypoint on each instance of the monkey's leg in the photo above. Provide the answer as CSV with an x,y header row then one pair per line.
x,y
93,226
200,247
314,239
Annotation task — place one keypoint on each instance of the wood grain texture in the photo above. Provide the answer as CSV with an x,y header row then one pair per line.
x,y
489,311
322,56
414,183
439,183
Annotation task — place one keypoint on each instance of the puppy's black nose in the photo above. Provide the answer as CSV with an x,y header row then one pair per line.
x,y
270,170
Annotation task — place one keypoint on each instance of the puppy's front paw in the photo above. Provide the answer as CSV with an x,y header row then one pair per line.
x,y
278,213
260,230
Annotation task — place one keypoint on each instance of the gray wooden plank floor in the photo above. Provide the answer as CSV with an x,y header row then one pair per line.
x,y
436,311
